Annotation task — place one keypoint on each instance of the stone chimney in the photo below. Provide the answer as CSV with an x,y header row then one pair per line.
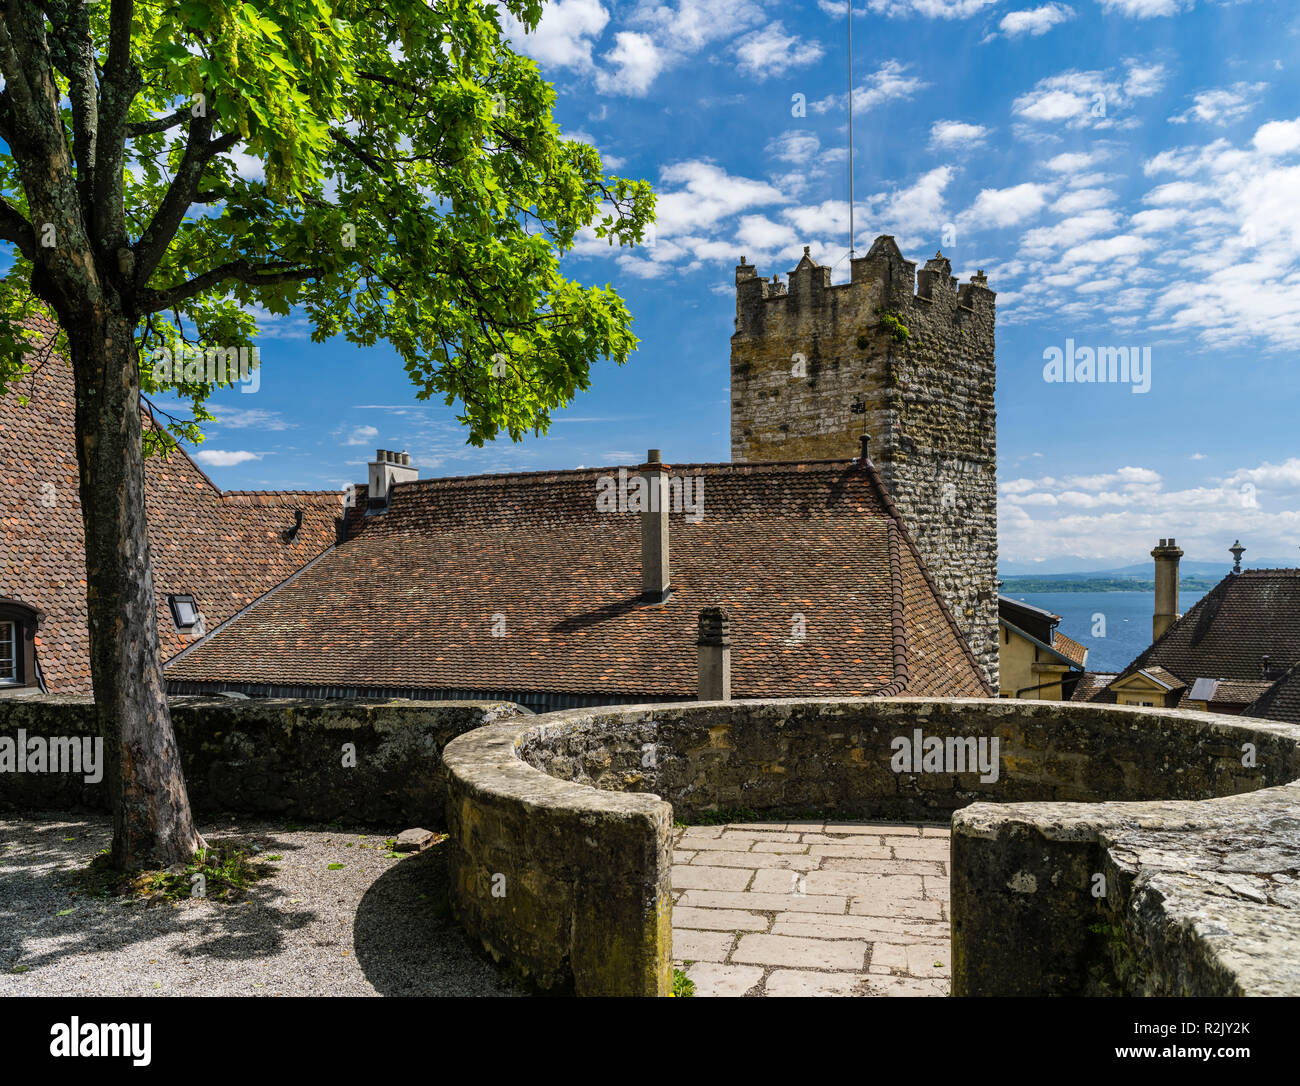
x,y
655,582
715,654
387,469
1166,555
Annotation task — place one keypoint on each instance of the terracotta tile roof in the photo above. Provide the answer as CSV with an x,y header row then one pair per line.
x,y
225,549
1067,646
410,600
1245,617
1281,701
1240,691
1090,682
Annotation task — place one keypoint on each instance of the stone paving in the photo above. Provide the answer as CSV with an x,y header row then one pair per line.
x,y
812,909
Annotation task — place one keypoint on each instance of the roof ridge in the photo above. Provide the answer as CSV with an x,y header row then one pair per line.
x,y
897,611
719,466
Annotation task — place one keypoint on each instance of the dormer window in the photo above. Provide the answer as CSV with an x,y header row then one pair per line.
x,y
185,613
18,623
10,659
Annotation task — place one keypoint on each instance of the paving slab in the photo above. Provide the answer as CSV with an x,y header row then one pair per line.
x,y
695,877
804,982
801,953
712,979
802,909
701,946
718,919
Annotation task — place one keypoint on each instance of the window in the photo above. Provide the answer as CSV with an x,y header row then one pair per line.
x,y
10,647
184,611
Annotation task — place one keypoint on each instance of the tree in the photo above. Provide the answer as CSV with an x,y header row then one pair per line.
x,y
393,170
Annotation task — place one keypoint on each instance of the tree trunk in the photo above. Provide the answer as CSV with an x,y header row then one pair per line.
x,y
152,824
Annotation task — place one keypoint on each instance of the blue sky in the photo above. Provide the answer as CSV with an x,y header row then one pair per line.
x,y
1127,172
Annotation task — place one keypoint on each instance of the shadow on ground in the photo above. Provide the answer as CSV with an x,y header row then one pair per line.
x,y
406,942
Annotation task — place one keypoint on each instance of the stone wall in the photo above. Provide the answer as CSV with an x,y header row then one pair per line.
x,y
1083,790
567,885
802,360
274,757
1129,899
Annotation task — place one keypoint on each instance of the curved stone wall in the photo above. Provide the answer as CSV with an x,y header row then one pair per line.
x,y
565,815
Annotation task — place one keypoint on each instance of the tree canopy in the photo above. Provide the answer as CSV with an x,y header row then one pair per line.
x,y
393,170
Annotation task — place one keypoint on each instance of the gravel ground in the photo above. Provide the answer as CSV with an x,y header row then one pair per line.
x,y
373,927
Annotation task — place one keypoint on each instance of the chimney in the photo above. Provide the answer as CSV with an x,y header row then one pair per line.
x,y
655,583
1166,555
387,469
715,654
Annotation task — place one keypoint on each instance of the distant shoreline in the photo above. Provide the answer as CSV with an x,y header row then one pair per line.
x,y
1039,583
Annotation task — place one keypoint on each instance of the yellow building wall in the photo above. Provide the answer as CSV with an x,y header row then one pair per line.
x,y
1016,660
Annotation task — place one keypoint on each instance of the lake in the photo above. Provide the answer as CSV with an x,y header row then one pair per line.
x,y
1127,618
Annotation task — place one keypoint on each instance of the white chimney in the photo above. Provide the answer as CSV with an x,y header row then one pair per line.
x,y
387,469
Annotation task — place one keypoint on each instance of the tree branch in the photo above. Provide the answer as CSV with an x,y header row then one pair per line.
x,y
180,195
14,228
118,88
239,271
158,124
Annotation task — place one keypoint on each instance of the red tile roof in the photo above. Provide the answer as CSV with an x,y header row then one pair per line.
x,y
411,600
225,549
1068,647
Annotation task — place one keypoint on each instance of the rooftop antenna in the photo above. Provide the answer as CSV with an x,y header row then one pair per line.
x,y
849,20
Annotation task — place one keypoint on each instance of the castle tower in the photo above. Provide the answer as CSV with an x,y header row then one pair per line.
x,y
906,358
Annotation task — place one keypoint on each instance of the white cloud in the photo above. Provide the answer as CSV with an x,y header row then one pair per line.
x,y
1003,207
241,419
1222,105
929,9
1075,161
1035,21
564,37
945,135
794,145
636,62
215,458
1088,99
687,26
362,435
886,83
703,194
1145,9
1278,137
771,51
1077,200
1125,511
919,207
1069,231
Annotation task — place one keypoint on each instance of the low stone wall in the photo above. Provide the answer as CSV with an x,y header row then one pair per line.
x,y
369,762
544,804
568,885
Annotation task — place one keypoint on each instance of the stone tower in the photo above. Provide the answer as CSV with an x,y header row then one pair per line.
x,y
905,358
